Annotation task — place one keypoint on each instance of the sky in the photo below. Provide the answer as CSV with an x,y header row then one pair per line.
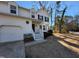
x,y
72,6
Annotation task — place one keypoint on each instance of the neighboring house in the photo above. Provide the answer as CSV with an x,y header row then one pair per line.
x,y
15,21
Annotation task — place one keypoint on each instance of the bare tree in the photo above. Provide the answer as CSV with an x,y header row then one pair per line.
x,y
60,14
57,16
61,21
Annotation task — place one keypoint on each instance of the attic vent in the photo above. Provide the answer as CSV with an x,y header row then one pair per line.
x,y
27,22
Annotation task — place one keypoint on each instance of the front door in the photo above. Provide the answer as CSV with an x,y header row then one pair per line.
x,y
33,27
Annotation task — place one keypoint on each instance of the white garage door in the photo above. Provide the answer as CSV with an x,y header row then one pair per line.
x,y
8,33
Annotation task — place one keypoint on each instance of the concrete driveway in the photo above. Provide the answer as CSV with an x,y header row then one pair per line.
x,y
50,49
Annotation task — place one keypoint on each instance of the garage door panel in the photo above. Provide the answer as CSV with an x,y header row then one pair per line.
x,y
10,34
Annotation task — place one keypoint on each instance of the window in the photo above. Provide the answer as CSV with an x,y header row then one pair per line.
x,y
12,9
46,19
27,22
40,17
33,16
43,27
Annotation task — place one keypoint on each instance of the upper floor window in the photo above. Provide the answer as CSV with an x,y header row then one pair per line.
x,y
40,17
12,9
46,19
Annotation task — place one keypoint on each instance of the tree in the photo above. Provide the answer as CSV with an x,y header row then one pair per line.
x,y
57,16
59,20
61,23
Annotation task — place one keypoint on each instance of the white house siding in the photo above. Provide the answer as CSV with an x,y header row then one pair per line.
x,y
39,33
44,14
14,4
25,28
4,7
23,12
10,34
16,32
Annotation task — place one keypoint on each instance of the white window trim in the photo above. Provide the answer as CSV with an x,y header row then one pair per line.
x,y
10,9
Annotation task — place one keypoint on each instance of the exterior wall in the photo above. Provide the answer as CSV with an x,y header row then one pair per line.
x,y
46,26
21,22
45,14
23,12
4,7
14,4
16,32
39,35
10,34
20,10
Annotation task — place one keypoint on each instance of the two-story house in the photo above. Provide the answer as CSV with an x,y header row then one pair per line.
x,y
15,21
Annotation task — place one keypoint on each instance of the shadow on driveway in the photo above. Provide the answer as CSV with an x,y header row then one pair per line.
x,y
49,49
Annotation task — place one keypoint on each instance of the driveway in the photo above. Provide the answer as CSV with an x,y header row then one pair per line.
x,y
50,49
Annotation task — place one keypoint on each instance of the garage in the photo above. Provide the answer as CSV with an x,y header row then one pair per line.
x,y
10,33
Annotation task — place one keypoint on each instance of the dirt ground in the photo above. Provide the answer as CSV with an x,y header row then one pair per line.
x,y
49,49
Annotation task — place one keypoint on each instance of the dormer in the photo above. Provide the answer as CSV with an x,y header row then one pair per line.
x,y
13,8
